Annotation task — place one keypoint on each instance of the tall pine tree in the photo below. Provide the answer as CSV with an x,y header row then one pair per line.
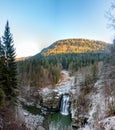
x,y
10,81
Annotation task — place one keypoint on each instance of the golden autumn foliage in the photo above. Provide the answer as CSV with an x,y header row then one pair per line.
x,y
74,46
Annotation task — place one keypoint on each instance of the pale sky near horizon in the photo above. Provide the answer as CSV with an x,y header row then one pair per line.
x,y
36,24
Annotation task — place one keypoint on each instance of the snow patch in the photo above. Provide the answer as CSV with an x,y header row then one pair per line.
x,y
63,87
31,121
108,123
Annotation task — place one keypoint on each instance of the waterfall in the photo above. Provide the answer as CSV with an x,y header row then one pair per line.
x,y
65,104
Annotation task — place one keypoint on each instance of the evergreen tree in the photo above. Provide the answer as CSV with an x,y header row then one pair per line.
x,y
10,84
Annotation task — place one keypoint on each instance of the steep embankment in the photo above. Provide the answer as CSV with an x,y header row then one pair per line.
x,y
93,103
102,114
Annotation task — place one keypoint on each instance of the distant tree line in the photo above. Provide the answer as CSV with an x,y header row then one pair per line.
x,y
8,69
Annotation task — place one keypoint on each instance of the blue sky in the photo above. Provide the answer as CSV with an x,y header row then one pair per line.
x,y
36,24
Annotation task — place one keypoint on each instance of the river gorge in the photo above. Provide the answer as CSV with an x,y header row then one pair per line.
x,y
52,108
70,105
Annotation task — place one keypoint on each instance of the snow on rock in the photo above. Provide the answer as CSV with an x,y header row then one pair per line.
x,y
46,91
31,121
40,128
86,127
98,109
62,87
100,100
66,85
98,105
108,123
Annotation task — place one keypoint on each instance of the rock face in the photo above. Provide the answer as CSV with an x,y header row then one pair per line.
x,y
50,100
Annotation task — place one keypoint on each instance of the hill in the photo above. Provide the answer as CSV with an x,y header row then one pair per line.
x,y
23,58
74,46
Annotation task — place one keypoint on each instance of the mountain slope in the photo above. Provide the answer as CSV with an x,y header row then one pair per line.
x,y
74,46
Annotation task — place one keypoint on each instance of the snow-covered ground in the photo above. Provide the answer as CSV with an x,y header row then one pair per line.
x,y
32,122
98,113
108,123
64,86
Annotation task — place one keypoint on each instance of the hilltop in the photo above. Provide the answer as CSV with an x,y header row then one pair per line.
x,y
74,46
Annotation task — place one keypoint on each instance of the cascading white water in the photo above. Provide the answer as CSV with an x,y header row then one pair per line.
x,y
65,103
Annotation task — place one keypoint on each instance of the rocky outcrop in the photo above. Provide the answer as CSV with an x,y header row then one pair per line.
x,y
50,100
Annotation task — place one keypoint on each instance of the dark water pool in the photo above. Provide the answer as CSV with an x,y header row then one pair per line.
x,y
58,121
55,121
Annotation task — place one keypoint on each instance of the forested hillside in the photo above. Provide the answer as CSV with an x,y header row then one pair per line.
x,y
74,46
45,69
